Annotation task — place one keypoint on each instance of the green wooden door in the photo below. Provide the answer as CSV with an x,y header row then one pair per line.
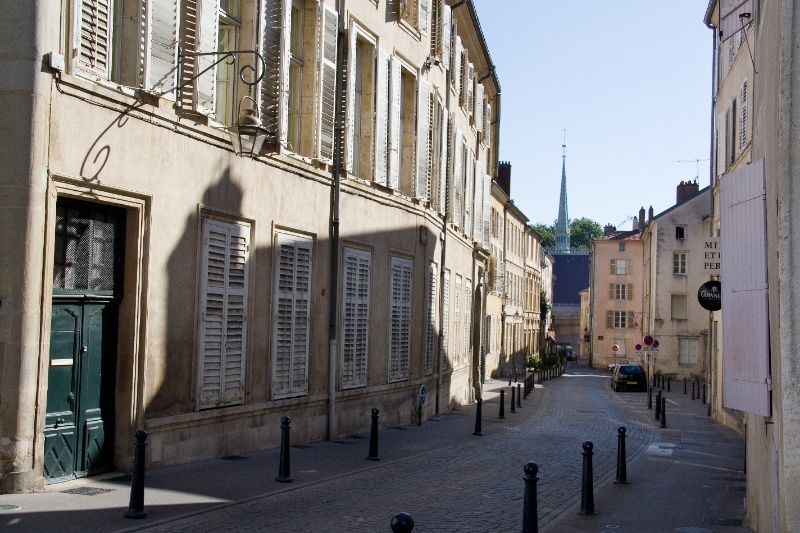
x,y
79,423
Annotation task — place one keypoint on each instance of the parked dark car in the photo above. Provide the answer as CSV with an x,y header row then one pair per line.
x,y
631,377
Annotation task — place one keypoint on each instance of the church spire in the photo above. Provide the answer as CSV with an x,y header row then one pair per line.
x,y
562,224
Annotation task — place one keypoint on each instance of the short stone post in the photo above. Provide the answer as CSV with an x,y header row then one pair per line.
x,y
513,400
587,486
684,386
704,393
693,383
622,470
402,523
650,398
373,437
502,404
669,383
136,506
477,431
519,395
284,469
530,507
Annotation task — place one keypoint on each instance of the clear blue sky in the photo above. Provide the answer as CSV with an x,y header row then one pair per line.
x,y
629,80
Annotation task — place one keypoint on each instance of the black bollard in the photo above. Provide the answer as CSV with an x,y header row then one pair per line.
x,y
502,404
515,373
587,487
284,475
513,400
519,395
402,523
650,398
373,437
136,506
654,381
704,393
693,389
478,419
530,508
510,375
669,383
622,470
525,387
684,386
539,374
664,412
658,405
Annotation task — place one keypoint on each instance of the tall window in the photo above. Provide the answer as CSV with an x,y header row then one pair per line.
x,y
680,232
619,267
467,319
295,77
400,319
361,99
291,313
619,319
355,317
227,40
679,260
687,351
743,117
430,304
446,315
621,291
457,322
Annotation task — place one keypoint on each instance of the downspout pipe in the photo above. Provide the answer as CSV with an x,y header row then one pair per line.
x,y
334,229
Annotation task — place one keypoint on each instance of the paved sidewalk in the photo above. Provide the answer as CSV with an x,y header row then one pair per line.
x,y
679,476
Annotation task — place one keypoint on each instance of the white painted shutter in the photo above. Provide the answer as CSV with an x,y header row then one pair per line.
x,y
469,192
161,45
445,28
457,322
291,314
355,317
400,319
446,316
442,170
327,86
487,127
745,290
456,74
350,110
467,319
487,210
422,18
223,313
395,127
477,213
206,41
92,37
381,116
430,313
273,90
458,180
743,116
449,183
477,117
423,137
469,82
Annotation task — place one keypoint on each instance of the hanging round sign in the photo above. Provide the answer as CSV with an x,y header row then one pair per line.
x,y
655,343
638,347
648,340
710,295
614,348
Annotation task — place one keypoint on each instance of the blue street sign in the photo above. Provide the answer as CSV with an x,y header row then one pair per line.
x,y
422,394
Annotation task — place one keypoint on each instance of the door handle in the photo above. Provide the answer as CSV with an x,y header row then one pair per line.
x,y
84,349
59,421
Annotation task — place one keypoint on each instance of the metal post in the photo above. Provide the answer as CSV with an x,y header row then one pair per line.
x,y
650,398
658,405
502,404
515,373
510,375
704,393
587,487
402,523
664,412
373,437
284,475
684,386
693,382
622,471
669,383
136,506
530,509
519,395
513,400
478,419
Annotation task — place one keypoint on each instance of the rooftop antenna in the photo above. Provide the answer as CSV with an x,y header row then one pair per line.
x,y
695,161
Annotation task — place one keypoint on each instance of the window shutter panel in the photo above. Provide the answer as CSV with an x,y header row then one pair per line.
x,y
430,313
444,35
381,116
423,137
477,226
467,319
400,319
487,210
291,315
478,118
613,266
611,293
457,322
487,127
722,162
629,294
160,37
223,327
743,121
355,319
458,179
469,192
395,137
422,16
273,89
92,37
455,64
469,81
327,91
206,41
350,112
609,319
446,316
443,160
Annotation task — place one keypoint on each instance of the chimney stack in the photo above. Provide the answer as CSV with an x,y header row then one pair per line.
x,y
608,229
641,218
504,177
650,214
686,190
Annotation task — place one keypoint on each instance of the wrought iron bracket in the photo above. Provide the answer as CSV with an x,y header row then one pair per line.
x,y
230,57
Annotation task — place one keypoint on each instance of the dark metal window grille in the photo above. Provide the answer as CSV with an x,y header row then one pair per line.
x,y
87,248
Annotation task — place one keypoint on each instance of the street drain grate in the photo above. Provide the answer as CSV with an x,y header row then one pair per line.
x,y
736,488
723,522
87,491
233,458
125,478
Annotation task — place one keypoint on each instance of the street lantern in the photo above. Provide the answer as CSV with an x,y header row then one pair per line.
x,y
247,135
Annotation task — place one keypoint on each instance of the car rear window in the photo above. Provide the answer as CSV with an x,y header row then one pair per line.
x,y
630,369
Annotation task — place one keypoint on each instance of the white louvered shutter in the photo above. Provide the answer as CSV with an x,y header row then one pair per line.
x,y
223,313
469,192
455,63
291,314
355,317
447,183
395,126
400,319
477,212
350,108
160,33
467,319
445,28
477,117
487,210
327,85
469,82
457,322
442,170
92,37
458,179
423,137
382,117
722,163
487,127
430,313
743,116
205,41
273,90
446,316
422,15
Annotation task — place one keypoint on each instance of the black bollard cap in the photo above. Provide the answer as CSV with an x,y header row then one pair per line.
x,y
587,446
531,471
622,430
375,411
402,523
141,435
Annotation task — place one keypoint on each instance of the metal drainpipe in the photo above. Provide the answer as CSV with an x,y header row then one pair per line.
x,y
337,171
504,296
